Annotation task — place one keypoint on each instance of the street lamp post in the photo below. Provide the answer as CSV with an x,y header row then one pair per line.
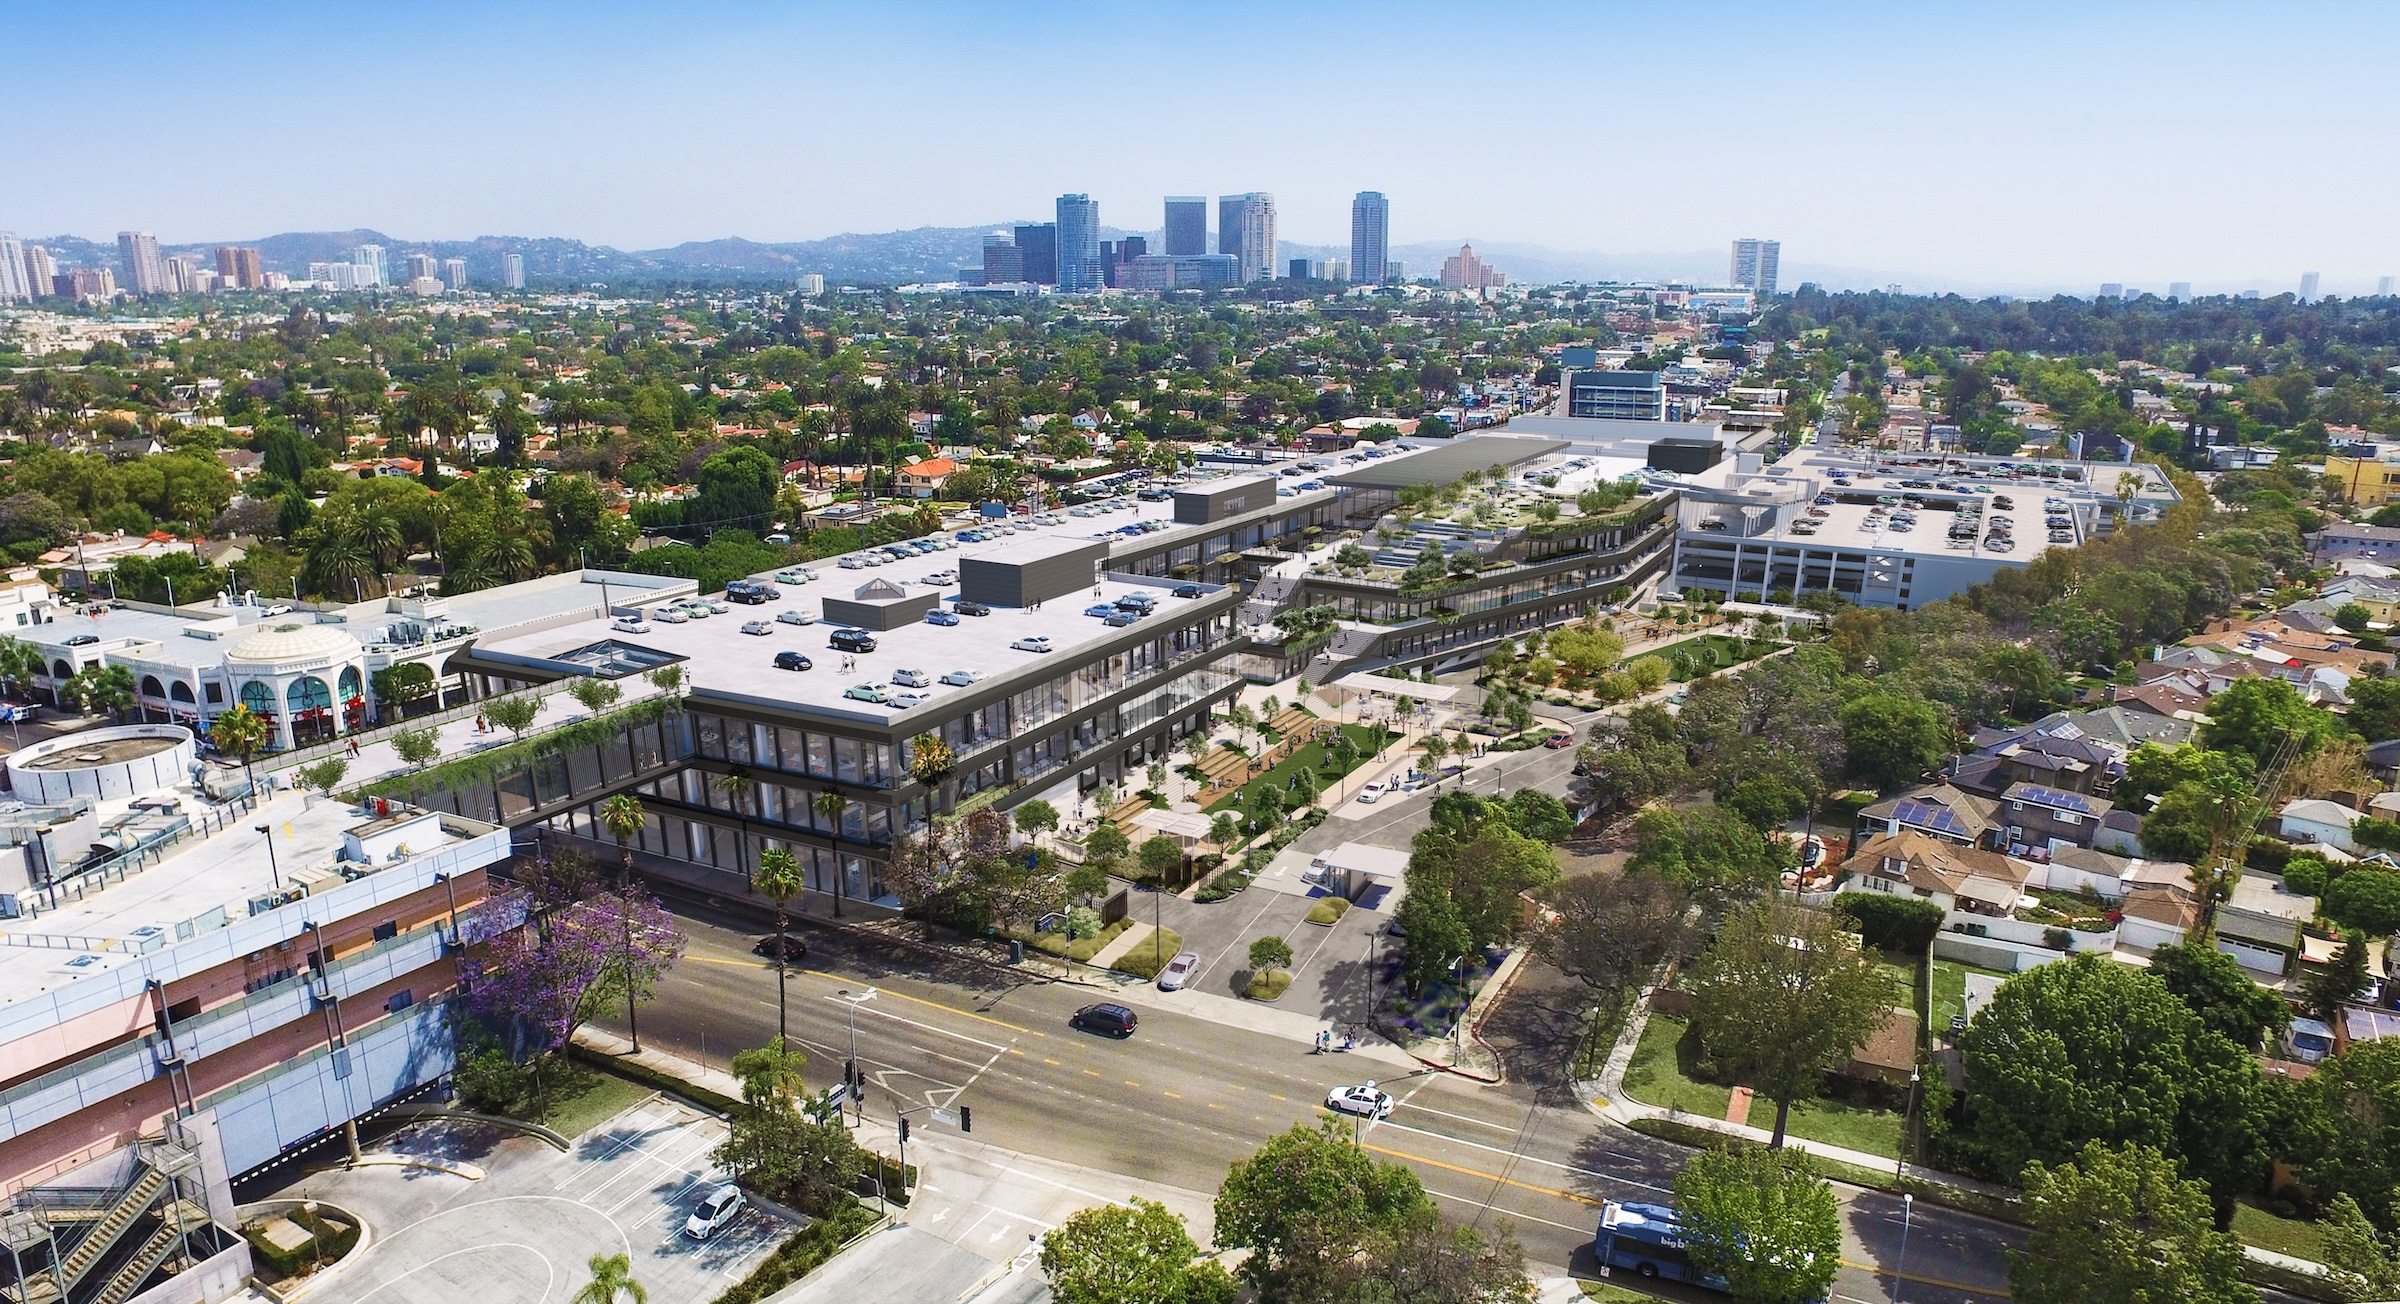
x,y
855,999
272,866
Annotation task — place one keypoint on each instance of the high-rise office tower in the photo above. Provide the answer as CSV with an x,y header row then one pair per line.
x,y
512,271
239,269
2308,287
1037,252
1370,236
454,274
1117,257
1187,225
2383,285
1002,264
421,266
145,268
41,272
13,288
2111,290
1246,229
2179,291
1079,244
183,275
1754,263
370,257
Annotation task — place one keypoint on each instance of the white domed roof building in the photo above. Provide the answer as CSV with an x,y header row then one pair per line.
x,y
309,680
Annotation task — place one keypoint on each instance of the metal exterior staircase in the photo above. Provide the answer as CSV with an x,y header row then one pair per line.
x,y
104,1234
181,1217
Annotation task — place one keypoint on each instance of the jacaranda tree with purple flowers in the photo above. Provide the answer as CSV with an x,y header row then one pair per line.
x,y
538,984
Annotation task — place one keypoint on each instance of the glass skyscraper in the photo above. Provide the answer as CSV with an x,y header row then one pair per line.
x,y
1187,225
1370,237
1079,265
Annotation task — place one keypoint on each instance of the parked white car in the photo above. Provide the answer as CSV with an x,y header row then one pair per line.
x,y
1178,971
630,625
1372,793
716,1211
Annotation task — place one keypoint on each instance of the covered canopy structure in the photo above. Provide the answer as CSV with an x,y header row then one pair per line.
x,y
1363,684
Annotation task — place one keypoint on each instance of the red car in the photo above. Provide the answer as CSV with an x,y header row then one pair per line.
x,y
1560,739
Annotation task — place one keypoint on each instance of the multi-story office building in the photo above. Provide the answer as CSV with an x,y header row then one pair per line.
x,y
1037,253
234,982
1246,230
1079,265
1813,522
423,267
512,271
89,284
1187,225
1370,237
183,275
2179,291
1608,395
13,287
1180,272
2308,287
41,272
1754,264
1463,270
370,257
2111,291
239,268
454,274
145,267
1003,263
2383,286
1117,257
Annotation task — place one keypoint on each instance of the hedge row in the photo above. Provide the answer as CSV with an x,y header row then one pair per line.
x,y
802,1253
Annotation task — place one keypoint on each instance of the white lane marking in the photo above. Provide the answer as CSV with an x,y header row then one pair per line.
x,y
886,1014
1410,1101
1510,1214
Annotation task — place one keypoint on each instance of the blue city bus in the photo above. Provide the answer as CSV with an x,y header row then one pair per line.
x,y
1644,1239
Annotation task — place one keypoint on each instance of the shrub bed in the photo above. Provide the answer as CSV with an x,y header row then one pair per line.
x,y
802,1253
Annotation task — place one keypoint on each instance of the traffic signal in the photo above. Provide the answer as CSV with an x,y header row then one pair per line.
x,y
966,1119
850,1074
904,1129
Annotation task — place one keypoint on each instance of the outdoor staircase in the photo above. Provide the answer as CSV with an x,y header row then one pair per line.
x,y
1273,594
104,1234
181,1216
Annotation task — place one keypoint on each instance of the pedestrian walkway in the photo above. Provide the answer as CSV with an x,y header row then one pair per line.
x,y
1134,934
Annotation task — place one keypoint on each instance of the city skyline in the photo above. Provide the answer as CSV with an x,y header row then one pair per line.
x,y
2091,220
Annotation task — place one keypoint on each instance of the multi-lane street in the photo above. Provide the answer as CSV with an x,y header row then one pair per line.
x,y
1188,1095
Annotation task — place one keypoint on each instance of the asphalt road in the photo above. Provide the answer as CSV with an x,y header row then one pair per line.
x,y
1186,1097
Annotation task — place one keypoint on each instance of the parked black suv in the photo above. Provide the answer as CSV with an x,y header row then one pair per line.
x,y
1107,1020
853,640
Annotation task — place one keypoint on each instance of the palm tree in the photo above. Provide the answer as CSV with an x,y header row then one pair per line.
x,y
737,785
623,817
778,879
240,732
829,806
612,1279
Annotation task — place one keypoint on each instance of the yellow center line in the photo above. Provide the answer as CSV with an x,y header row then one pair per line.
x,y
1214,1105
1090,1073
1051,1062
1489,1177
1175,1095
1131,1083
1272,1096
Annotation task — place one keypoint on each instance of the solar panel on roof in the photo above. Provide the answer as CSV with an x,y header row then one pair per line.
x,y
1928,815
2057,800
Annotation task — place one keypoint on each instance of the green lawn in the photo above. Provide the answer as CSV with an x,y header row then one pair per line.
x,y
1658,1076
1729,650
1950,990
1311,756
1611,1293
1081,949
592,1099
2255,1226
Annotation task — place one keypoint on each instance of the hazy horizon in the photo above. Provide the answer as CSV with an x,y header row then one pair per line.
x,y
2046,145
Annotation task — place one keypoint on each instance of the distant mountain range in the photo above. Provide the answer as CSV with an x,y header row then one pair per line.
x,y
927,253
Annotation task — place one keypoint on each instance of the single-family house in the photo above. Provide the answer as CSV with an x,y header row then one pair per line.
x,y
2039,819
925,479
2314,819
1937,810
1966,880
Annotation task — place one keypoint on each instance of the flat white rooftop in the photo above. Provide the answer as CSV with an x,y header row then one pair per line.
x,y
203,881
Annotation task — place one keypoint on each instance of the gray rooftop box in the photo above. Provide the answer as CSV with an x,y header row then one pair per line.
x,y
1688,456
1034,571
880,604
1206,504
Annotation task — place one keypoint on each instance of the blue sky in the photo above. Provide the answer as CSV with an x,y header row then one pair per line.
x,y
1994,145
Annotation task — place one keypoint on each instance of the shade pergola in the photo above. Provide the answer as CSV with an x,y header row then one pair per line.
x,y
1391,687
1186,828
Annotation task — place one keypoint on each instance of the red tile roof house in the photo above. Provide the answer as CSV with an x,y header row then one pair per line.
x,y
924,479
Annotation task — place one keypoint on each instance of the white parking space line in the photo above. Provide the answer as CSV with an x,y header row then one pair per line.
x,y
1211,962
704,1142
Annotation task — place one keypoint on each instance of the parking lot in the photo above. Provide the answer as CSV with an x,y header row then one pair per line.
x,y
523,1233
1331,965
